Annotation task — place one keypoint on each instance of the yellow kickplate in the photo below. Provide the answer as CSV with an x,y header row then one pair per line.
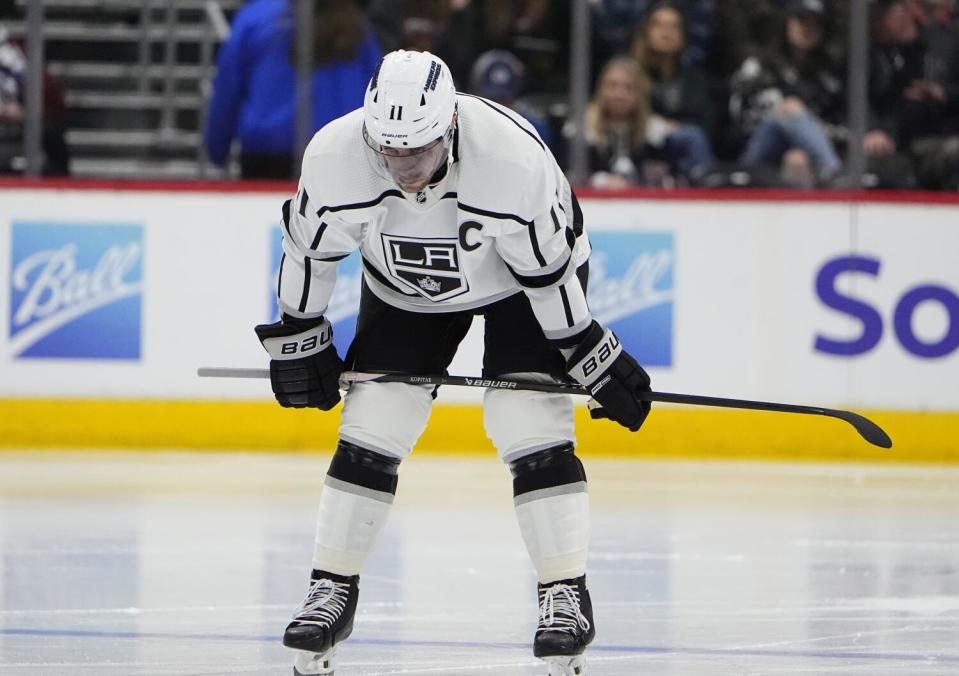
x,y
670,432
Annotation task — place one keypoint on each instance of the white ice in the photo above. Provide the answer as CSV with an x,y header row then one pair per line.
x,y
174,563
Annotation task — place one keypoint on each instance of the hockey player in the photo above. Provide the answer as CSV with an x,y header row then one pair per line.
x,y
458,209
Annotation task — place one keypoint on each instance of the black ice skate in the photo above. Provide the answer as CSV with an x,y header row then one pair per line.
x,y
323,620
565,626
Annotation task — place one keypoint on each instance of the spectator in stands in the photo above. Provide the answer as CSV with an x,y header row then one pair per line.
x,y
679,91
254,91
417,25
914,99
535,31
499,76
618,127
615,22
937,155
788,102
12,68
751,28
56,155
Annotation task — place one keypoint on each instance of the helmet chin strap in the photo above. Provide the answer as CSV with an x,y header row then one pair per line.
x,y
440,172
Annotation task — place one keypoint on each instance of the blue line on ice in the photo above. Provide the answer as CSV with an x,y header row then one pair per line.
x,y
635,649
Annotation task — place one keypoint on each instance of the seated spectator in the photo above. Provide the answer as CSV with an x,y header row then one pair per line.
x,y
56,154
254,91
618,128
679,92
615,22
789,101
751,28
914,99
499,76
12,68
534,31
937,155
416,25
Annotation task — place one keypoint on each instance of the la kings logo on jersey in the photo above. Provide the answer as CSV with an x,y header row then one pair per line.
x,y
427,265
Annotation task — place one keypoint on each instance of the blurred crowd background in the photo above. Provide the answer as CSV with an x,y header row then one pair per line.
x,y
679,93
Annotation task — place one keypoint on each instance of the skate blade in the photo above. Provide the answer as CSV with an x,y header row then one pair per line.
x,y
314,664
566,665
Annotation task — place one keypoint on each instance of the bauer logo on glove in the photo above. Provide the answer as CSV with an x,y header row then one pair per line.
x,y
612,376
304,366
277,341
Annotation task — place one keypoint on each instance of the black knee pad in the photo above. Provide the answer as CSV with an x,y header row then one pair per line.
x,y
549,468
365,468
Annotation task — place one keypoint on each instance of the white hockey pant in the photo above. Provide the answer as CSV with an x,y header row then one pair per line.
x,y
533,433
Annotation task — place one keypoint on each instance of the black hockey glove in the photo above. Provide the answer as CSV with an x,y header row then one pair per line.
x,y
304,367
612,376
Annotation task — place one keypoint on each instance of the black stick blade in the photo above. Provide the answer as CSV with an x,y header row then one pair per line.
x,y
867,429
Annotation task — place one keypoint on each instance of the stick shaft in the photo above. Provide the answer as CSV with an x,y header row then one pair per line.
x,y
866,428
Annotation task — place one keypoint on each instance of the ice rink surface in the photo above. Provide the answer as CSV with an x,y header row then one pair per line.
x,y
175,563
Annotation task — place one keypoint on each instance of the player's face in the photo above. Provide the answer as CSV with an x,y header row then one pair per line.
x,y
412,168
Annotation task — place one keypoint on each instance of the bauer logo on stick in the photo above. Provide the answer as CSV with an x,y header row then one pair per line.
x,y
76,291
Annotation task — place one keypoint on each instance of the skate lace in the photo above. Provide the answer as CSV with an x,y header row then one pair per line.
x,y
324,603
559,609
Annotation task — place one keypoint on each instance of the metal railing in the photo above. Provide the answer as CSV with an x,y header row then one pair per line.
x,y
33,109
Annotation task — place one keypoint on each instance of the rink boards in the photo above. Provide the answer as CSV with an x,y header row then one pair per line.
x,y
112,296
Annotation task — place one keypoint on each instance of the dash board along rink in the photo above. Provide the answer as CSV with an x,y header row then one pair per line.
x,y
707,558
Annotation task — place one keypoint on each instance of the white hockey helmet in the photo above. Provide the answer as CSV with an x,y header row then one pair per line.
x,y
409,113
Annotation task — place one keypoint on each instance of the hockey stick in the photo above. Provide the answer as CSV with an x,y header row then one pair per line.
x,y
866,428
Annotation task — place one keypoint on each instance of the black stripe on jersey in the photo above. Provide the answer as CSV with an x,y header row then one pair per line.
x,y
577,214
303,200
566,306
371,270
319,235
534,242
493,214
373,202
306,285
330,259
279,279
542,281
456,145
552,213
360,205
286,218
508,117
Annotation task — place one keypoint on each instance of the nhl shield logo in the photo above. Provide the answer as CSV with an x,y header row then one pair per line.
x,y
427,265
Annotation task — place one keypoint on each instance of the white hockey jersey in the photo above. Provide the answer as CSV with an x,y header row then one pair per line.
x,y
501,221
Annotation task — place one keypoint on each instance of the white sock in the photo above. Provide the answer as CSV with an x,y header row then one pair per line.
x,y
349,521
556,532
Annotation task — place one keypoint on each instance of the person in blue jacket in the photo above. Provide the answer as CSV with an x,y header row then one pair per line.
x,y
254,90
